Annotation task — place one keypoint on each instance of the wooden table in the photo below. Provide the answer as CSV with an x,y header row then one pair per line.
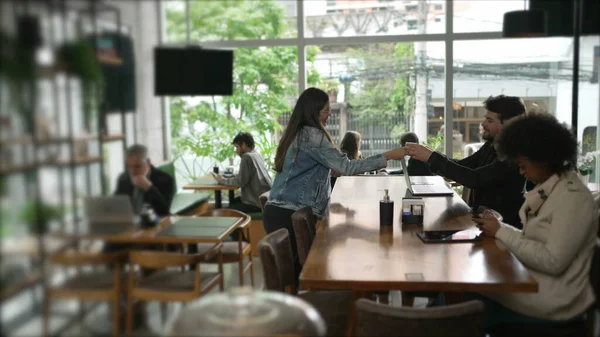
x,y
29,246
152,235
351,252
208,183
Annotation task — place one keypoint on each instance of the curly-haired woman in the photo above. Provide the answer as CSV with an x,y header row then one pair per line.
x,y
560,223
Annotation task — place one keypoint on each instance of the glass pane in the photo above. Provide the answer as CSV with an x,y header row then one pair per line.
x,y
225,20
333,18
202,128
379,90
588,121
175,21
482,15
537,70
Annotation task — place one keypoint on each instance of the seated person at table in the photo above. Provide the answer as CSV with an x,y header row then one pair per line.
x,y
304,159
145,184
351,147
253,177
414,167
494,183
560,223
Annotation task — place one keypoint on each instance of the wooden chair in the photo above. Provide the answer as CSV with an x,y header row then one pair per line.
x,y
168,285
257,226
278,268
464,319
95,285
235,251
305,228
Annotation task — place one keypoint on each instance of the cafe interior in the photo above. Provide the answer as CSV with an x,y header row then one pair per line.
x,y
141,192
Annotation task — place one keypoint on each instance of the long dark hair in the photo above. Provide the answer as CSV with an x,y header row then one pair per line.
x,y
350,144
306,113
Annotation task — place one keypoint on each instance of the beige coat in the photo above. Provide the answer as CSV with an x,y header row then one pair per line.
x,y
556,245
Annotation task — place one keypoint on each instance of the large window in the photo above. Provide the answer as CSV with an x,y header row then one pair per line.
x,y
482,15
373,89
384,64
223,20
363,18
534,69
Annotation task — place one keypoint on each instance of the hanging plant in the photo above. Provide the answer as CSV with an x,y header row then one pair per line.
x,y
80,59
18,68
39,224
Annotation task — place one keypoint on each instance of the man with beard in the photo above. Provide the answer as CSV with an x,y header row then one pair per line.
x,y
495,184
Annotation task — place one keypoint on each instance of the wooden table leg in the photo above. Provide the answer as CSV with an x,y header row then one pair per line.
x,y
231,196
351,330
218,200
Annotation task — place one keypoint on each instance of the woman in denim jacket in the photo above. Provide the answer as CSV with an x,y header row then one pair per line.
x,y
305,157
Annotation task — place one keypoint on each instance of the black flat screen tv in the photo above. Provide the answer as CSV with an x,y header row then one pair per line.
x,y
192,71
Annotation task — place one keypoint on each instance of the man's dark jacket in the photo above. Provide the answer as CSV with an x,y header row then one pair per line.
x,y
159,196
493,183
418,168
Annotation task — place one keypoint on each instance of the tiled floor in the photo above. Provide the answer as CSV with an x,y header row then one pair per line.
x,y
98,322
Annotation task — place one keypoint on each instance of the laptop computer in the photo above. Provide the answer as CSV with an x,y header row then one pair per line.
x,y
110,214
425,189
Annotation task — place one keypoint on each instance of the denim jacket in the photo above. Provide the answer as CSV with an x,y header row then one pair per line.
x,y
304,180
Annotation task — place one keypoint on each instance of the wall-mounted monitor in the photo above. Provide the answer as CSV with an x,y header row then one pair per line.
x,y
192,71
559,14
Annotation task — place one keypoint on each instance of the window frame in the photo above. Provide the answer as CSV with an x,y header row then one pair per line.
x,y
300,41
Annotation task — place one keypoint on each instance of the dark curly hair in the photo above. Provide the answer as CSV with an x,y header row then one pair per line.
x,y
541,138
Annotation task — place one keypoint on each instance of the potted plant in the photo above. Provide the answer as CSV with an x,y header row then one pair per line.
x,y
39,224
79,58
586,164
331,87
18,66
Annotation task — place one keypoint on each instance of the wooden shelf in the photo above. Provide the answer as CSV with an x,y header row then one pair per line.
x,y
12,169
16,288
77,161
29,245
112,138
25,140
108,59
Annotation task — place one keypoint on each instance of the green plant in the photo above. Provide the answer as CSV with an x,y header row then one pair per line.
x,y
586,163
18,66
329,85
264,79
189,174
79,59
267,146
38,223
435,143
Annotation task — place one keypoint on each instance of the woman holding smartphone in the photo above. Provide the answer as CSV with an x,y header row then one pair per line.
x,y
304,159
560,223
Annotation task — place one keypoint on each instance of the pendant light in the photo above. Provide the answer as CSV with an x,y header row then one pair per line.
x,y
525,23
